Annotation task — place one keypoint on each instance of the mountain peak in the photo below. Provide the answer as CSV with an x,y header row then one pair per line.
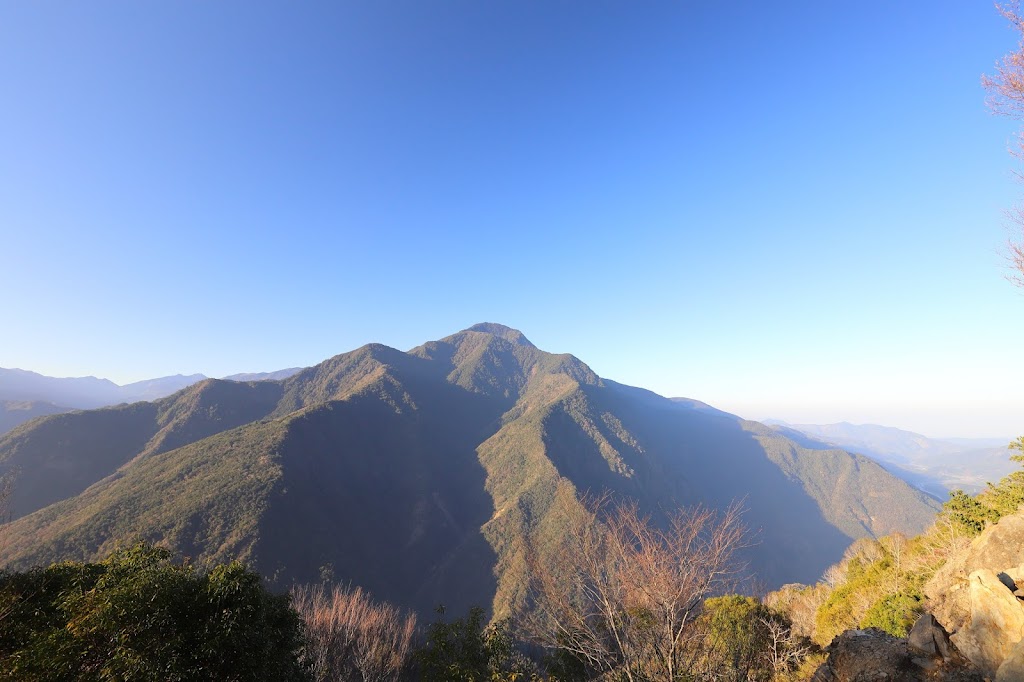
x,y
500,330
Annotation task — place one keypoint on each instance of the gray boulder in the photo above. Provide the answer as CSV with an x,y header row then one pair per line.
x,y
929,641
873,655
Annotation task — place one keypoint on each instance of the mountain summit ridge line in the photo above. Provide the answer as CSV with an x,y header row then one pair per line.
x,y
424,475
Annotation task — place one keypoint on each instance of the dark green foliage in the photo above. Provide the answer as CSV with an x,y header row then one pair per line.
x,y
138,616
466,650
972,514
865,581
204,500
735,631
564,666
895,613
968,513
747,641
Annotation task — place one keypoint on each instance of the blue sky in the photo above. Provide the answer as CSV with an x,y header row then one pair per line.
x,y
786,209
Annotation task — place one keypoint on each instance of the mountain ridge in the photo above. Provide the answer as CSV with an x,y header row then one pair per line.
x,y
424,475
934,465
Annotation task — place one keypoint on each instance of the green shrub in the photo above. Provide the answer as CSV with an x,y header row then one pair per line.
x,y
466,650
972,514
894,613
138,616
967,512
748,641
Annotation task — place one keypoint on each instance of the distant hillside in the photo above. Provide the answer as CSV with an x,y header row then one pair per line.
x,y
78,393
85,392
934,465
422,475
153,389
265,376
24,395
13,413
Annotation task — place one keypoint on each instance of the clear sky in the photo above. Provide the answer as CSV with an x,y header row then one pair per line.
x,y
785,209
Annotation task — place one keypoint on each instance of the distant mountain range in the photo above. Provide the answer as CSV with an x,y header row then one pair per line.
x,y
24,394
14,412
934,465
424,475
264,376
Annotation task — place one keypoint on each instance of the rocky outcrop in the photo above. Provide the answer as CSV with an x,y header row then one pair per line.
x,y
973,630
873,655
995,625
927,639
1012,667
976,598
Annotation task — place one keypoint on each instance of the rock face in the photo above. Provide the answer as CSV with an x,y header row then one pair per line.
x,y
928,639
996,622
873,655
1012,667
976,598
999,547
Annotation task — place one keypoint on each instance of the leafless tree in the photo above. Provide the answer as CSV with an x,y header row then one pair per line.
x,y
863,549
351,638
1006,97
896,546
834,575
785,650
622,594
942,540
800,604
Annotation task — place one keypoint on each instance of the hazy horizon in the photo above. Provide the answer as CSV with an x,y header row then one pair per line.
x,y
982,421
792,211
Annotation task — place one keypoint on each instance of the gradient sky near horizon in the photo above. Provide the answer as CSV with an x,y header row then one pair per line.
x,y
790,210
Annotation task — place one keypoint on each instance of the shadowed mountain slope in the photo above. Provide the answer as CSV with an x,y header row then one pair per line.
x,y
16,412
60,456
420,475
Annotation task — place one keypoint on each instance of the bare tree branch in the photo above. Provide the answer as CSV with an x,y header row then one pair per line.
x,y
623,594
349,637
1006,98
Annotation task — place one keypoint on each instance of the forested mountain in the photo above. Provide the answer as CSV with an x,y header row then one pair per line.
x,y
14,412
932,464
422,475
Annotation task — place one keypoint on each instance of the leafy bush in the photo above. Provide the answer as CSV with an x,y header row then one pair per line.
x,y
894,613
749,641
968,513
972,514
136,615
737,636
466,651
